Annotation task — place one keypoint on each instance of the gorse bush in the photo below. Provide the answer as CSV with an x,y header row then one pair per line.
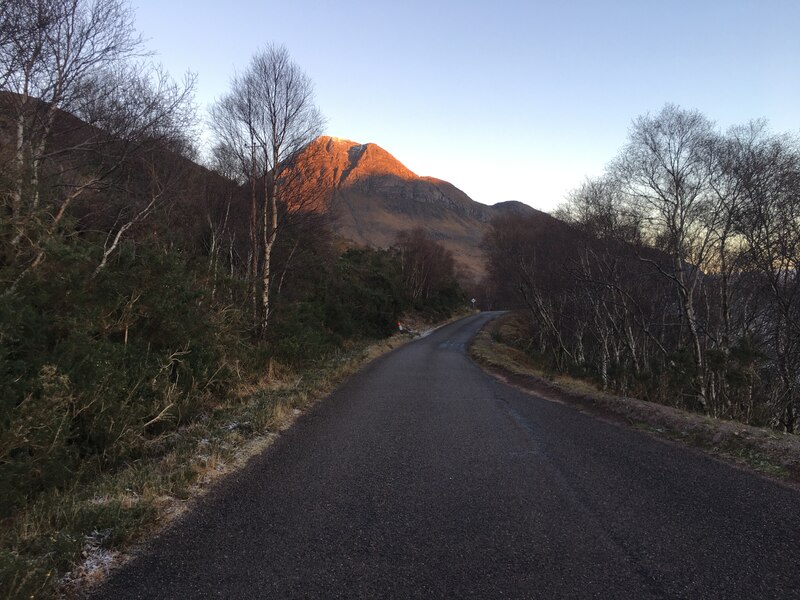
x,y
365,296
90,367
360,294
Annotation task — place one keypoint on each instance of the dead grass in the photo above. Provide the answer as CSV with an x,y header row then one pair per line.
x,y
769,452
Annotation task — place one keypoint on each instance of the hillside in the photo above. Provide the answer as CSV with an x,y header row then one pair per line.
x,y
372,196
369,195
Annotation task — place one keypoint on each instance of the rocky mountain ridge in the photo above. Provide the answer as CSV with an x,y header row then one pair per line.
x,y
373,196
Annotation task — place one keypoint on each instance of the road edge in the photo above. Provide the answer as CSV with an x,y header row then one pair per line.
x,y
761,451
98,564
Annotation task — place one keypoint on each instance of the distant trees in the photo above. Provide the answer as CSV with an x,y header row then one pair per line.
x,y
426,264
679,280
596,207
526,256
428,270
265,120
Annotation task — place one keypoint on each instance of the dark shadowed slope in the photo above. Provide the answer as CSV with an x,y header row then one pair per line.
x,y
422,477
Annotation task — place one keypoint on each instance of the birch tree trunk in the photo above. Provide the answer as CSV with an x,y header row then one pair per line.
x,y
270,231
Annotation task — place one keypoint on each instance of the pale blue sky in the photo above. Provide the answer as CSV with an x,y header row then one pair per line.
x,y
506,100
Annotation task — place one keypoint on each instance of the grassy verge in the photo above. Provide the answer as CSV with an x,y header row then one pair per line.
x,y
69,539
771,453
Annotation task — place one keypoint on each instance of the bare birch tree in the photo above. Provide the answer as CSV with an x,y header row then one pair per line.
x,y
52,47
268,117
665,171
767,167
82,105
598,208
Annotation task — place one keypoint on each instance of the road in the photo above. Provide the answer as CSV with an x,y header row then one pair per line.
x,y
423,477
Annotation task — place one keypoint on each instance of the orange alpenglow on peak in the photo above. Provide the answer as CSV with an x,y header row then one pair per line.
x,y
370,197
354,161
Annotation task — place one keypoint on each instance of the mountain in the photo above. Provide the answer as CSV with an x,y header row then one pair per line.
x,y
371,196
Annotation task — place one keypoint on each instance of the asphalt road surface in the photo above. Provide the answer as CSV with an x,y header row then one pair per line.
x,y
423,477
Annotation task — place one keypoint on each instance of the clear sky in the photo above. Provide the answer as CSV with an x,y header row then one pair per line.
x,y
507,100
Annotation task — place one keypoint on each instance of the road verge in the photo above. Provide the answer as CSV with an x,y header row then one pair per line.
x,y
765,451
